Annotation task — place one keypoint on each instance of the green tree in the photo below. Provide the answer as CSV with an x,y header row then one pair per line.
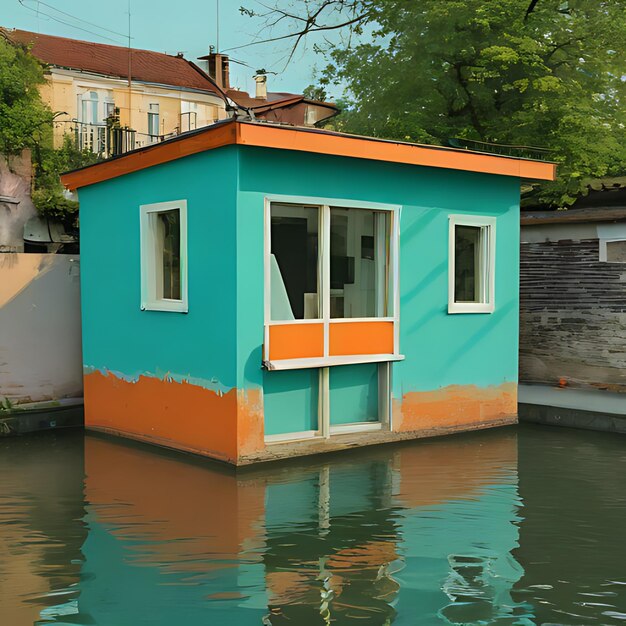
x,y
547,73
25,121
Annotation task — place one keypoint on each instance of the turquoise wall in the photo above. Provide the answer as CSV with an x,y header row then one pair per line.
x,y
440,349
353,393
117,335
290,401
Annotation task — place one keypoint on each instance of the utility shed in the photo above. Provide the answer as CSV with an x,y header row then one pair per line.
x,y
270,291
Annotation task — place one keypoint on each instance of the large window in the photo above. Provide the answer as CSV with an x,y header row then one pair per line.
x,y
331,284
471,264
164,256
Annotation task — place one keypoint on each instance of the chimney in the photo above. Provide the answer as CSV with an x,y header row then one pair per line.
x,y
218,68
261,85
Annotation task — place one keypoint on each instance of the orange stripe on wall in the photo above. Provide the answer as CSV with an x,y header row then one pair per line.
x,y
296,341
165,412
348,338
454,406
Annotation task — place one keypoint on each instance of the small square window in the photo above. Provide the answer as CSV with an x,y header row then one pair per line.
x,y
471,264
613,250
164,256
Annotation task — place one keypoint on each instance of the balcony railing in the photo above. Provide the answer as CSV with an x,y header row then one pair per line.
x,y
108,141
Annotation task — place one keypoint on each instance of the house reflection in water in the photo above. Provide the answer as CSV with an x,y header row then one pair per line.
x,y
402,534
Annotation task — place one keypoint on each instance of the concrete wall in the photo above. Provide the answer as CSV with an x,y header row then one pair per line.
x,y
572,308
40,329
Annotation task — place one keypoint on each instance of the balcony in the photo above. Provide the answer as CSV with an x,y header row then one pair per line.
x,y
108,141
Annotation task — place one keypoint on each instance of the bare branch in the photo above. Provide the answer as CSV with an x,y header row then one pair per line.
x,y
314,21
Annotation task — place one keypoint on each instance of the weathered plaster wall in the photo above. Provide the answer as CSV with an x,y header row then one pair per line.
x,y
162,376
572,313
40,329
15,181
459,369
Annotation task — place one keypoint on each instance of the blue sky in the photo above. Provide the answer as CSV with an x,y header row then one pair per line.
x,y
167,26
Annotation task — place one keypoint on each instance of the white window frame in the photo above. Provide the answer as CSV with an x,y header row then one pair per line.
x,y
154,117
149,300
324,205
488,264
324,428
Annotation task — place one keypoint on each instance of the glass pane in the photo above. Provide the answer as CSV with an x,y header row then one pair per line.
x,y
467,264
294,281
168,229
359,263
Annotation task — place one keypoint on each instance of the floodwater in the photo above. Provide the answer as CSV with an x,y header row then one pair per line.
x,y
521,525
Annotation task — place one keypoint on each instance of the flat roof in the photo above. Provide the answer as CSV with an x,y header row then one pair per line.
x,y
312,140
571,216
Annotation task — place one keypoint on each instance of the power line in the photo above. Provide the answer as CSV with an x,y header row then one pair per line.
x,y
60,21
78,19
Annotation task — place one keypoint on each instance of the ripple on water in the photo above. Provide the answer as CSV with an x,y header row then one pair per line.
x,y
515,526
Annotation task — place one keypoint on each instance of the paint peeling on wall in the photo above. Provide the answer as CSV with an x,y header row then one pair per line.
x,y
455,405
212,385
163,411
250,421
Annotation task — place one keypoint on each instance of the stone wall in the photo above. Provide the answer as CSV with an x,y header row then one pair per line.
x,y
572,315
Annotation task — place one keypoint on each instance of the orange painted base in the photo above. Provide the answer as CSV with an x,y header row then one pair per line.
x,y
230,426
454,406
176,415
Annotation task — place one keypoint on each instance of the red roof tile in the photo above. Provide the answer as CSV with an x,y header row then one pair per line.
x,y
146,66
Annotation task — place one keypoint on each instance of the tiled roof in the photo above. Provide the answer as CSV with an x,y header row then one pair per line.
x,y
274,100
146,65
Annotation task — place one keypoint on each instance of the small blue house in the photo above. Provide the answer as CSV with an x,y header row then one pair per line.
x,y
253,291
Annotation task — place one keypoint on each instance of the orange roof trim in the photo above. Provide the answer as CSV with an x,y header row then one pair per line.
x,y
235,132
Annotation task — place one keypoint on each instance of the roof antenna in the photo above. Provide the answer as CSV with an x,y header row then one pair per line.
x,y
217,25
130,66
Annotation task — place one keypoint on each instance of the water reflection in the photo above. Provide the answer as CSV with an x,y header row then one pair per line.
x,y
381,536
572,536
422,533
41,527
